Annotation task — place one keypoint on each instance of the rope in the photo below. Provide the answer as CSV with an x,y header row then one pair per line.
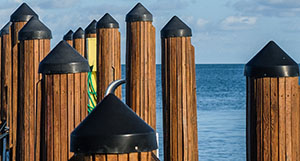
x,y
92,94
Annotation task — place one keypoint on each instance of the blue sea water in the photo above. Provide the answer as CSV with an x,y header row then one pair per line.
x,y
220,111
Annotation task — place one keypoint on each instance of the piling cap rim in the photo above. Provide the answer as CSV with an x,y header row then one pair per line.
x,y
112,127
68,35
139,13
176,28
23,14
91,28
78,34
107,21
5,29
34,29
271,61
63,59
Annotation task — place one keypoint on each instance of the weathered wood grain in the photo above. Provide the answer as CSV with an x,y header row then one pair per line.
x,y
179,99
140,70
108,60
15,28
273,127
29,93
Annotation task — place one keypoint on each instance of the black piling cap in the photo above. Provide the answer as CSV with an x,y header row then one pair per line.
x,y
107,21
271,61
68,36
34,29
23,14
91,28
176,28
78,34
112,127
5,29
63,59
139,13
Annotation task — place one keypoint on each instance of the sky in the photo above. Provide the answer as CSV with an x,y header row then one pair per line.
x,y
224,31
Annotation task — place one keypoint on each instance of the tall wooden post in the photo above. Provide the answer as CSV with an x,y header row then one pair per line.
x,y
60,69
272,113
19,18
34,46
140,64
79,45
179,92
68,37
113,132
91,52
1,85
6,72
78,41
108,54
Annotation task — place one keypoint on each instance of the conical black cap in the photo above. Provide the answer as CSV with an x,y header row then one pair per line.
x,y
107,21
271,61
68,36
78,34
91,28
5,29
23,14
34,29
112,127
176,28
63,59
139,13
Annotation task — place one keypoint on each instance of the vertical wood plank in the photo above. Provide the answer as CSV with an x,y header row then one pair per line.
x,y
64,117
71,114
266,112
57,116
173,103
122,157
288,122
144,156
111,157
179,100
77,104
133,156
282,119
259,87
274,119
98,157
295,119
6,77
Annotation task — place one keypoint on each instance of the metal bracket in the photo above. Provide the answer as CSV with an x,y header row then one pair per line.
x,y
113,86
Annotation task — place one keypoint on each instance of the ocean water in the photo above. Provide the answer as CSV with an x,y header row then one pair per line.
x,y
221,113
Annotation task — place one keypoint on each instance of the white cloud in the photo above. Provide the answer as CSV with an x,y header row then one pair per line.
x,y
279,8
18,1
238,22
201,22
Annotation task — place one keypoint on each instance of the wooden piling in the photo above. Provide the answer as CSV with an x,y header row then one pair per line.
x,y
1,87
140,64
6,72
81,109
61,71
6,76
179,92
19,18
68,37
99,138
34,40
91,52
272,113
108,54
